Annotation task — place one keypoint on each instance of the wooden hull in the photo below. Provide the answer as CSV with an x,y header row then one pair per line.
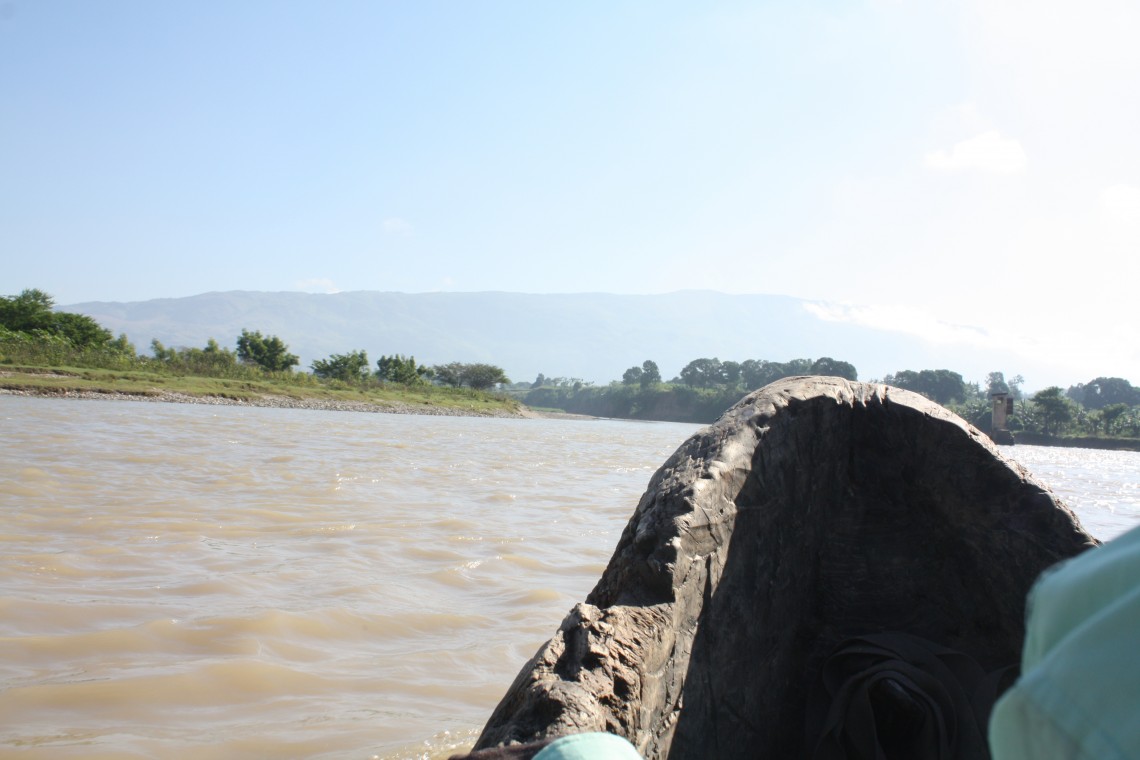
x,y
813,512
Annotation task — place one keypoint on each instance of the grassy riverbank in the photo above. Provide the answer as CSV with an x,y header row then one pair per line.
x,y
1077,442
75,382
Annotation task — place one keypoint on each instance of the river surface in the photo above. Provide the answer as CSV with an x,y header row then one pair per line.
x,y
223,582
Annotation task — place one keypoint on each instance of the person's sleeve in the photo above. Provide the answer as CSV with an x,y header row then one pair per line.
x,y
1079,692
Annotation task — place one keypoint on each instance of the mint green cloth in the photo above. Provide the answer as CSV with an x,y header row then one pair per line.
x,y
594,746
1079,691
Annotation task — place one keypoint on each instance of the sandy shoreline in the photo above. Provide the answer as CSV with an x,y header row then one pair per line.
x,y
284,402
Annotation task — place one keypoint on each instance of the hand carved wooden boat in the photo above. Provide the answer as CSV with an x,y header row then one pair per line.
x,y
816,515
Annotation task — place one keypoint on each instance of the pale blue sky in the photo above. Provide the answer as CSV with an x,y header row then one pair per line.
x,y
919,164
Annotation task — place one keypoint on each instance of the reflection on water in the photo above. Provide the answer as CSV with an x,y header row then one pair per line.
x,y
1102,486
218,581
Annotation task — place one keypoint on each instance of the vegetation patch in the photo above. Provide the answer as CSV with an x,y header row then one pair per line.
x,y
55,353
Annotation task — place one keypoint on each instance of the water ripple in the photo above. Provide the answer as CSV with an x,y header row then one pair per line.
x,y
219,581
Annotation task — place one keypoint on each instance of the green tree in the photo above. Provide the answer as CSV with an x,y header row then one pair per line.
x,y
28,311
1110,414
1015,384
1055,409
32,312
702,373
906,379
632,376
270,353
162,353
650,374
1090,420
122,345
400,369
448,374
81,330
995,383
825,365
940,385
794,367
1102,391
211,361
757,373
477,376
1130,422
350,368
730,373
482,376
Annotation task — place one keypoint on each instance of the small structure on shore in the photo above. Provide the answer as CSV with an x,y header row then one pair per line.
x,y
999,422
818,522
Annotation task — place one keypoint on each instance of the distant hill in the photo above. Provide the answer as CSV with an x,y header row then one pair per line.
x,y
593,336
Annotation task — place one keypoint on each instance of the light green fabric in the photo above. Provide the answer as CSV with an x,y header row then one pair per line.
x,y
594,746
1079,691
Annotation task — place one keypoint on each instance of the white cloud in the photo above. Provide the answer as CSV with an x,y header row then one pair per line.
x,y
1122,202
394,225
905,320
317,285
1053,356
988,152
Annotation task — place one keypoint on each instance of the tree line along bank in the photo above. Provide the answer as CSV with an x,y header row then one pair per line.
x,y
704,388
33,333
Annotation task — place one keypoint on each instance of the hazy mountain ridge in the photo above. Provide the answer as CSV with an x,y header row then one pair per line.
x,y
593,336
